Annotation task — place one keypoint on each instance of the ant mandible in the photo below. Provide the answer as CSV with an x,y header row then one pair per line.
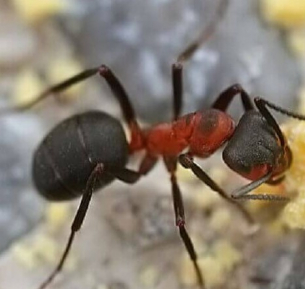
x,y
88,151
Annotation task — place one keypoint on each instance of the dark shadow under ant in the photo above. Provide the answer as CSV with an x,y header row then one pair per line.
x,y
88,151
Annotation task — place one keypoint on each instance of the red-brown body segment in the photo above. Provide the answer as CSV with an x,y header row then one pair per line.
x,y
211,129
256,172
282,164
202,132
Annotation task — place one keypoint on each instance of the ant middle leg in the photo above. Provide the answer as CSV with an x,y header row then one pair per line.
x,y
171,165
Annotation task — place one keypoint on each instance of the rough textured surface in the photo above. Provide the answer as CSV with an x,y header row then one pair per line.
x,y
130,230
14,36
20,208
113,242
282,267
113,31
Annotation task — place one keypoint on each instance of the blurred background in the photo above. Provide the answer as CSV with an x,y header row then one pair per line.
x,y
133,240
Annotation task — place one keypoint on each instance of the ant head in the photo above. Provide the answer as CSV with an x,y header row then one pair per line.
x,y
211,128
256,149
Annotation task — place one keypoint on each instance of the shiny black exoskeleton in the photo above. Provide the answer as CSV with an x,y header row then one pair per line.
x,y
66,157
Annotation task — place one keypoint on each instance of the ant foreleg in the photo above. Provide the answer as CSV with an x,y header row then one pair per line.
x,y
226,97
77,222
171,164
187,162
243,192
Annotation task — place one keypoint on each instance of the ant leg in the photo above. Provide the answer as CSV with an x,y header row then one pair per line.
x,y
187,162
177,88
122,97
112,81
206,33
221,103
125,175
243,192
130,176
147,164
77,222
120,94
52,90
171,164
177,82
226,97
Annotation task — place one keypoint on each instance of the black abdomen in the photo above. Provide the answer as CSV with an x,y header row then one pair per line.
x,y
64,160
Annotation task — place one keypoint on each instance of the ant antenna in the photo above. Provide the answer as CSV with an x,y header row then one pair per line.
x,y
282,110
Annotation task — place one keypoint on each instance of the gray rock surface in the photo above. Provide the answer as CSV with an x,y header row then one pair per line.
x,y
18,44
20,206
282,267
140,40
112,248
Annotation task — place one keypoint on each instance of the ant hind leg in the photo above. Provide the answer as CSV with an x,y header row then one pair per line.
x,y
114,84
77,222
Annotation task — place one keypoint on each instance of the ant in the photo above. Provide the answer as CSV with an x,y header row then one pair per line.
x,y
88,151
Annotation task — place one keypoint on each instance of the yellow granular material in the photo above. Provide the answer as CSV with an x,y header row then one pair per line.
x,y
285,13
